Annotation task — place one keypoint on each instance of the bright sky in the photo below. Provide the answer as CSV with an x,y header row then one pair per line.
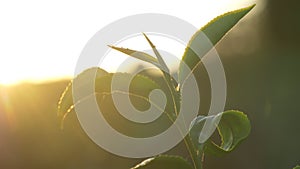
x,y
43,39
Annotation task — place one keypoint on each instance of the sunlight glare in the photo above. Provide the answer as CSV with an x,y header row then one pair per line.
x,y
38,43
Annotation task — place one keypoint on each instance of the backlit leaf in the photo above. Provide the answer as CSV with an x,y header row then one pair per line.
x,y
207,37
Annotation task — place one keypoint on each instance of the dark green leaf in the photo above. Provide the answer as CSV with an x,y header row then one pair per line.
x,y
233,127
208,36
164,162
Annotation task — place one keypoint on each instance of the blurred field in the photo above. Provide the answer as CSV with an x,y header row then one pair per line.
x,y
31,136
261,58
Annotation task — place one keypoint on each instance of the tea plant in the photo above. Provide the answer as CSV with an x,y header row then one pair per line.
x,y
233,127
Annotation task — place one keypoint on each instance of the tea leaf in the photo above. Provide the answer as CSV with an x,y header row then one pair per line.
x,y
233,127
66,99
207,37
159,58
137,94
138,55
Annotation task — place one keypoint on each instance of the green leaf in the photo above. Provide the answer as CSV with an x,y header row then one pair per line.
x,y
159,58
173,98
171,83
159,62
138,55
297,167
139,90
138,95
233,127
164,162
66,100
207,37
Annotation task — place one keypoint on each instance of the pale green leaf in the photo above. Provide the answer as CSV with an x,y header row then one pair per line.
x,y
139,89
66,100
159,57
297,167
138,55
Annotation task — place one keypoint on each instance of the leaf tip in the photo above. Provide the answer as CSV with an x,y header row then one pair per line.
x,y
111,46
149,41
246,9
252,6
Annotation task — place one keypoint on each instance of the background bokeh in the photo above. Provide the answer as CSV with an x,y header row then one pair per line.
x,y
261,58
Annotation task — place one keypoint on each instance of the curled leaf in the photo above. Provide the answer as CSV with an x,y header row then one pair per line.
x,y
233,127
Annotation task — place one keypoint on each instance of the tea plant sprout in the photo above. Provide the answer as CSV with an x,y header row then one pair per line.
x,y
233,126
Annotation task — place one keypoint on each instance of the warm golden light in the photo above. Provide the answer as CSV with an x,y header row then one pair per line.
x,y
37,44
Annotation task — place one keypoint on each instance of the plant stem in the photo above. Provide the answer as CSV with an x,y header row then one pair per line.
x,y
196,156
